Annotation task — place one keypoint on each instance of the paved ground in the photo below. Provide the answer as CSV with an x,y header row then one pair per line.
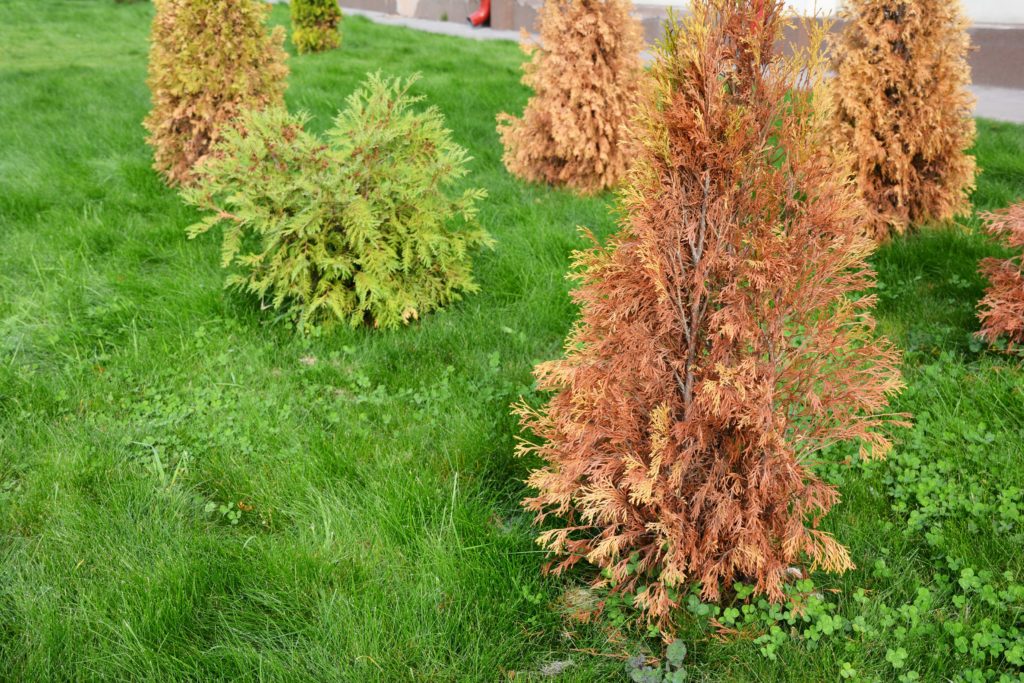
x,y
448,28
1004,104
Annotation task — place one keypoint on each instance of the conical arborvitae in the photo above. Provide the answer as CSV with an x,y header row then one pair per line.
x,y
903,106
209,60
315,25
725,337
1002,309
584,75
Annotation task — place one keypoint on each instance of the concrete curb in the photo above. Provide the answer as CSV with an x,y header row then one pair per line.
x,y
1001,104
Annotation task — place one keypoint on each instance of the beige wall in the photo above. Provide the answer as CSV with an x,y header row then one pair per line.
x,y
980,11
996,61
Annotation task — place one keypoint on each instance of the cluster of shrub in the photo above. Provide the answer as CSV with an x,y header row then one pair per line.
x,y
726,336
363,227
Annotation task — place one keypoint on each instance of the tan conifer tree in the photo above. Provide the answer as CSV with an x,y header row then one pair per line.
x,y
584,75
209,60
725,339
903,106
1002,310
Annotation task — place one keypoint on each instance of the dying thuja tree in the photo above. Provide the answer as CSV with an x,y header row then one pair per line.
x,y
209,60
725,338
1002,309
367,226
903,106
584,74
315,25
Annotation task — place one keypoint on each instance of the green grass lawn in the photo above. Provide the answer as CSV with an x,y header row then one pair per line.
x,y
188,490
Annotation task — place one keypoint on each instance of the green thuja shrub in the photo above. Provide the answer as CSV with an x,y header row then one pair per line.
x,y
315,25
365,227
209,60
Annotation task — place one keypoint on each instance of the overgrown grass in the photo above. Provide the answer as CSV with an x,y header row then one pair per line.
x,y
190,491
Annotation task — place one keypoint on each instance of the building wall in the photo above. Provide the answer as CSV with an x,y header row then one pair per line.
x,y
996,61
980,11
517,13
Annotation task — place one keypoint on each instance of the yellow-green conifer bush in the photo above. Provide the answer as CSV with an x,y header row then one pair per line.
x,y
365,227
903,107
209,60
315,25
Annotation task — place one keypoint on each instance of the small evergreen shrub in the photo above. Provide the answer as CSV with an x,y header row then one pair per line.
x,y
315,25
209,60
585,74
1002,309
904,108
365,227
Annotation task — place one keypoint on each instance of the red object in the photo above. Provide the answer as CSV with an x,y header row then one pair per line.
x,y
482,15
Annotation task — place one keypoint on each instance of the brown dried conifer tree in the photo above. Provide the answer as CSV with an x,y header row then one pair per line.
x,y
903,106
209,60
1002,309
725,336
584,75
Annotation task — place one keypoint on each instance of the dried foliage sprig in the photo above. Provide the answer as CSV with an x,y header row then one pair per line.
x,y
1002,309
315,25
584,74
209,60
365,227
725,336
903,106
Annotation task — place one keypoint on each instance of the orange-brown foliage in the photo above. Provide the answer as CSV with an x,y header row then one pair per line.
x,y
903,106
584,76
209,60
725,337
1002,309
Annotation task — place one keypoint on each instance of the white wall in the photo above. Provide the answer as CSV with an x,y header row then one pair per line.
x,y
980,11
